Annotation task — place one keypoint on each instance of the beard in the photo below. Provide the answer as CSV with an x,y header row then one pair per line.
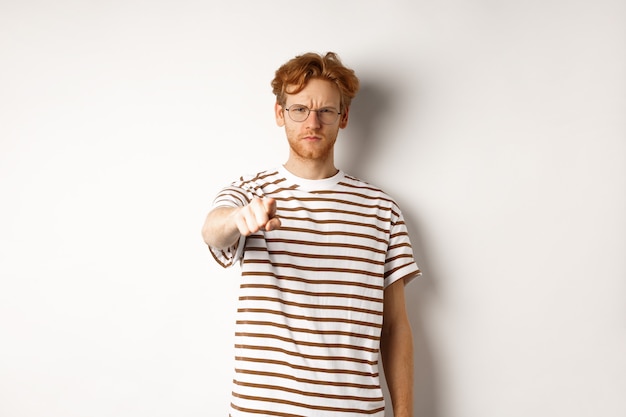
x,y
316,150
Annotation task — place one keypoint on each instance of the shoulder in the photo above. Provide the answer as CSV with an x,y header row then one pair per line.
x,y
247,187
259,176
259,184
366,188
258,179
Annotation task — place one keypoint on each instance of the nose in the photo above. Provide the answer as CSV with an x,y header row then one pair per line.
x,y
313,120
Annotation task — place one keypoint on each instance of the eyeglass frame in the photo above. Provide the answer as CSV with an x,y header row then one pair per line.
x,y
333,110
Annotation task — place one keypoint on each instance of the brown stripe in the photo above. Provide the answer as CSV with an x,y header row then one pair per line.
x,y
313,294
318,319
369,187
322,244
312,268
307,368
306,381
233,192
303,343
399,245
404,255
311,306
320,233
333,200
311,281
262,176
321,332
340,222
308,394
279,190
377,197
392,271
300,355
333,211
403,233
314,256
309,406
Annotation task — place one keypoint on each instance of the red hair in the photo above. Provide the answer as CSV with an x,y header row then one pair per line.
x,y
297,72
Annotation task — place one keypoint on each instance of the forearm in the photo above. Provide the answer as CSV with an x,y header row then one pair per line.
x,y
220,230
397,355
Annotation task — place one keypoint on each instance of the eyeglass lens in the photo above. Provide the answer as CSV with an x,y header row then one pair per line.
x,y
326,115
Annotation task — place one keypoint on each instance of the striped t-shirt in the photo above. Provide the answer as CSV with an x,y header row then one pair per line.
x,y
310,307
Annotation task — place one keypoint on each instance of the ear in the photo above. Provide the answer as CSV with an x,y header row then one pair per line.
x,y
343,121
279,113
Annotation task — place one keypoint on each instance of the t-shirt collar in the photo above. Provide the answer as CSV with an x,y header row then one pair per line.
x,y
312,185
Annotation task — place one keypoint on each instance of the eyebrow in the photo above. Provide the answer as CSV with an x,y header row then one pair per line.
x,y
304,105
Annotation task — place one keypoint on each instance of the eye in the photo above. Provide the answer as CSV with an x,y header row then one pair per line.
x,y
327,110
298,109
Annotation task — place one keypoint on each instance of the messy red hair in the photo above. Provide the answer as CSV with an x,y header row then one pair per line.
x,y
297,72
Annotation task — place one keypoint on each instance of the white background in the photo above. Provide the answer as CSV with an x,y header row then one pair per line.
x,y
498,126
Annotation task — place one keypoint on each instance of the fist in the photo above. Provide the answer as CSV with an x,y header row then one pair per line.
x,y
260,214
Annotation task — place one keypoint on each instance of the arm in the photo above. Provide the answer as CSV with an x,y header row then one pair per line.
x,y
397,350
224,225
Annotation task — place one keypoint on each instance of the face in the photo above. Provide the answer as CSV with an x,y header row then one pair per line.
x,y
312,140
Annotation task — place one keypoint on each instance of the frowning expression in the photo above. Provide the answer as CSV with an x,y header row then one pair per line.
x,y
311,139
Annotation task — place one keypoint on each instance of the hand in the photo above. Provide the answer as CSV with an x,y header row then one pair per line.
x,y
259,214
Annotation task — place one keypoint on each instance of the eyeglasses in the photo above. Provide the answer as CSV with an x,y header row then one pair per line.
x,y
326,115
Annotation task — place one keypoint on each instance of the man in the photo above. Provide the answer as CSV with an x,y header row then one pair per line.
x,y
324,259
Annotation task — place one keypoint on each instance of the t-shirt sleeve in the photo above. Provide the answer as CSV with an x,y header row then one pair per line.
x,y
400,263
232,196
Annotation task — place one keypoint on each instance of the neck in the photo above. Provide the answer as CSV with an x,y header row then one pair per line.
x,y
311,170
